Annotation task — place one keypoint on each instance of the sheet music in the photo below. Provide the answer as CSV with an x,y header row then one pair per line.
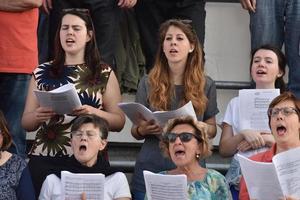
x,y
287,165
134,111
75,184
62,100
253,106
261,179
165,187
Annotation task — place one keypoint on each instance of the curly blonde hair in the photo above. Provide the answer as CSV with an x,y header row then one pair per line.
x,y
200,130
194,77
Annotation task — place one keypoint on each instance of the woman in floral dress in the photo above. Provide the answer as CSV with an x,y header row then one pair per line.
x,y
185,141
76,61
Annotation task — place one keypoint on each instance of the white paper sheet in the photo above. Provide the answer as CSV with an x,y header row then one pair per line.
x,y
165,187
253,104
261,179
287,165
62,100
134,111
75,184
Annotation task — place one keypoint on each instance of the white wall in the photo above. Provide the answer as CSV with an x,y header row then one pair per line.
x,y
227,48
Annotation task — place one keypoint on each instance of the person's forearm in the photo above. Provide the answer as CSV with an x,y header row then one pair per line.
x,y
211,131
19,5
116,121
136,133
29,122
228,147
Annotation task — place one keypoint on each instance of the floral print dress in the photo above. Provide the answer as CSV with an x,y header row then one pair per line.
x,y
53,136
212,187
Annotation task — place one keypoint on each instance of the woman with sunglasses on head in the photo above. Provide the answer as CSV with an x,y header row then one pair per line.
x,y
15,180
176,78
284,121
185,141
267,70
76,61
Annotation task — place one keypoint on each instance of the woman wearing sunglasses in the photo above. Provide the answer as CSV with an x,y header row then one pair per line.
x,y
77,62
176,78
185,141
284,121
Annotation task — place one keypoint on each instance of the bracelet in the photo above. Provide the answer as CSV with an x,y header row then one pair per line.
x,y
138,133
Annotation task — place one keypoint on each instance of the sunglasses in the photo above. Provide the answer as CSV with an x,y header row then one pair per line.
x,y
184,137
286,111
186,21
80,10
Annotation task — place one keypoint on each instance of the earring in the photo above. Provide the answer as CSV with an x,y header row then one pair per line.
x,y
198,156
191,50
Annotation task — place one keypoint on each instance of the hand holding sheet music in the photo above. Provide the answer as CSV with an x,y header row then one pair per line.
x,y
62,100
134,111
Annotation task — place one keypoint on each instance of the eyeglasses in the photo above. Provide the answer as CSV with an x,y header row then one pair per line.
x,y
286,111
184,137
80,10
79,134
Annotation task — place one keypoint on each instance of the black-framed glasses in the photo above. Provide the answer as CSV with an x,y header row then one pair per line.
x,y
89,134
286,111
80,10
184,137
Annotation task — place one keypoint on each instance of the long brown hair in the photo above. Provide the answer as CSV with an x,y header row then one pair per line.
x,y
7,140
161,86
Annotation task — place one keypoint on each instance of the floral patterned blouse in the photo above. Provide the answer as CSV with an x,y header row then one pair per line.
x,y
212,187
53,137
10,175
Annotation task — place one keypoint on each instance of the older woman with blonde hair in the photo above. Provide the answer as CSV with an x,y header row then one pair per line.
x,y
185,141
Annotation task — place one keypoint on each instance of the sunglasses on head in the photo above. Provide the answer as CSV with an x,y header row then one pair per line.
x,y
186,21
184,137
80,10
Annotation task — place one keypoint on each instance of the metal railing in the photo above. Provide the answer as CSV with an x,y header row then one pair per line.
x,y
232,85
223,1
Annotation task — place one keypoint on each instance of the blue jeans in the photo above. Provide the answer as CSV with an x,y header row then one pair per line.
x,y
277,22
13,92
234,173
136,195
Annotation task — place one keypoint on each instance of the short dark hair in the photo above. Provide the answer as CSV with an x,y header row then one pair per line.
x,y
286,96
279,82
97,121
7,140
